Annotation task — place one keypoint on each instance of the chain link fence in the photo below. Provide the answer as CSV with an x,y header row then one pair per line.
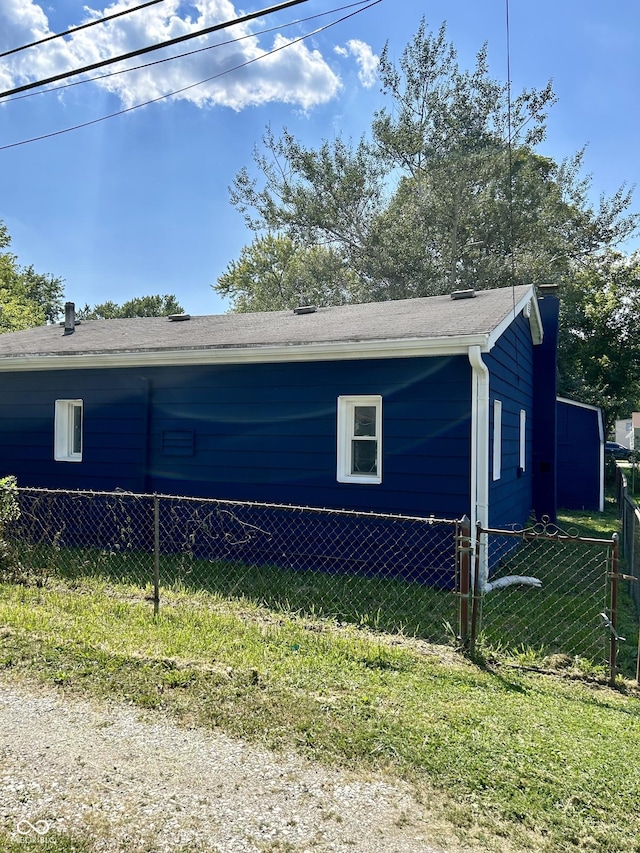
x,y
548,591
630,514
540,589
385,572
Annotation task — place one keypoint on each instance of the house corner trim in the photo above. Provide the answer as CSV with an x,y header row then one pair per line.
x,y
479,446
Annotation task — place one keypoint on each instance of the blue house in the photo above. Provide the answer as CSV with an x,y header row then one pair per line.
x,y
438,406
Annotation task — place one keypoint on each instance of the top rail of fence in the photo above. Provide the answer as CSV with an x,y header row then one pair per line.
x,y
430,519
531,534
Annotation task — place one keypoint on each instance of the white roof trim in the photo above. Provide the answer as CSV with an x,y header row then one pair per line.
x,y
400,348
580,405
535,320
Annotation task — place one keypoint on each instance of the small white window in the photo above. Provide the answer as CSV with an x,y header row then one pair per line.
x,y
523,440
497,439
360,439
68,431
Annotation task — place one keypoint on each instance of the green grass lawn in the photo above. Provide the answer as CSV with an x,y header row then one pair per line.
x,y
503,755
505,758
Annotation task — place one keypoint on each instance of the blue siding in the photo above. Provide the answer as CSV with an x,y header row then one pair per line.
x,y
511,369
264,432
579,457
115,429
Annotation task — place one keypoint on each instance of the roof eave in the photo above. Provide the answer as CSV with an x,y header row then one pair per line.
x,y
392,348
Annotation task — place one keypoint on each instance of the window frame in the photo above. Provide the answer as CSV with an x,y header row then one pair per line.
x,y
523,440
497,439
346,437
67,431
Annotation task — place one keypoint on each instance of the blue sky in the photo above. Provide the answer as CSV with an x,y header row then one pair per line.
x,y
138,204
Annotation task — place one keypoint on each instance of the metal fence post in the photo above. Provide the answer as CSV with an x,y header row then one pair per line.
x,y
156,555
463,545
475,607
613,615
631,557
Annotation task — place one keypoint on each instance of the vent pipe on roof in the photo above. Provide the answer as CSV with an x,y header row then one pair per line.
x,y
69,318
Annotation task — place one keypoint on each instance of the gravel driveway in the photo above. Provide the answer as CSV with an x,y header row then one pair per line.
x,y
129,780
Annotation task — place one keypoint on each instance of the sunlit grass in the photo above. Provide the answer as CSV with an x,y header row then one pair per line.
x,y
507,758
501,755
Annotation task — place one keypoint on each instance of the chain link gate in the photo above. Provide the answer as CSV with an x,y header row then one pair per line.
x,y
548,590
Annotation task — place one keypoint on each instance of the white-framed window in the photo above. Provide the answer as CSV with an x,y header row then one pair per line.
x,y
67,440
497,439
523,440
360,439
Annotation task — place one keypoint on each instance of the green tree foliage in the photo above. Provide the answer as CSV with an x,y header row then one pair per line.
x,y
140,306
447,191
599,347
274,274
27,298
45,290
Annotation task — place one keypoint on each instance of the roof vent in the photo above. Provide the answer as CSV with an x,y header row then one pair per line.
x,y
178,318
463,294
69,318
305,309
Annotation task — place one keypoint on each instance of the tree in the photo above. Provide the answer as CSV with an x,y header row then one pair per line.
x,y
448,191
46,291
27,298
140,306
273,273
324,198
599,342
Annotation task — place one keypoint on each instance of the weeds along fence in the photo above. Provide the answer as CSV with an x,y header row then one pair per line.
x,y
386,572
548,592
540,588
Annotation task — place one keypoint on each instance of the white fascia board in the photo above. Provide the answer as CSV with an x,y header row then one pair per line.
x,y
535,320
579,405
400,348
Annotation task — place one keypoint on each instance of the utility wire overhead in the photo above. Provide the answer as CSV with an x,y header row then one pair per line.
x,y
192,85
140,51
80,27
190,52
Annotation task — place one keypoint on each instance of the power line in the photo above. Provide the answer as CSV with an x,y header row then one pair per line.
x,y
189,52
190,86
80,27
140,51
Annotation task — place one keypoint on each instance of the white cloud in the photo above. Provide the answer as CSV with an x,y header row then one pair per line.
x,y
366,60
294,75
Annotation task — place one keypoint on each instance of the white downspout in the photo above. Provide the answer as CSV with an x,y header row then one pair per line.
x,y
479,450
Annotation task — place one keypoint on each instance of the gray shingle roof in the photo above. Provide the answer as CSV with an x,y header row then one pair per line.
x,y
435,317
